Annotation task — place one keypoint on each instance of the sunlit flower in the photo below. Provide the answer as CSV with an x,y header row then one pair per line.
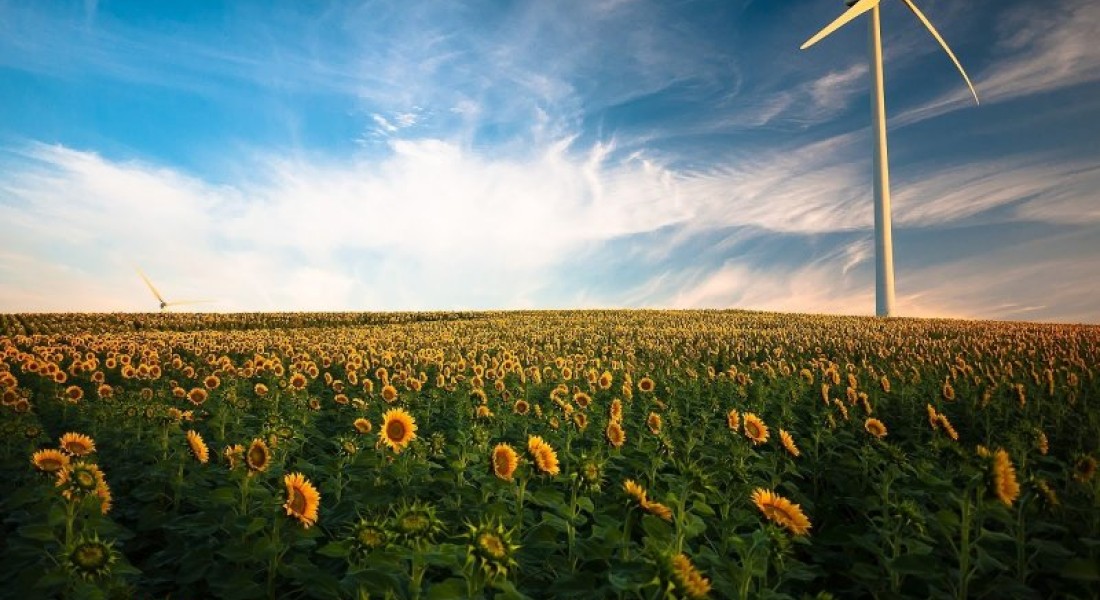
x,y
781,511
398,429
504,461
77,444
875,428
755,429
302,499
198,446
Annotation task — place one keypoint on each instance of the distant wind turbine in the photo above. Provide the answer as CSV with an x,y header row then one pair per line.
x,y
164,303
884,243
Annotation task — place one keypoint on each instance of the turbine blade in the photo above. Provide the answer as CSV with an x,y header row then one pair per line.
x,y
857,9
936,34
150,284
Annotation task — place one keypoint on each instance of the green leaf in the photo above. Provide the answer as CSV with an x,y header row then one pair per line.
x,y
451,588
38,532
1081,569
339,549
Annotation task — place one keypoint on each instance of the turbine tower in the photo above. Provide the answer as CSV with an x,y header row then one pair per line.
x,y
884,242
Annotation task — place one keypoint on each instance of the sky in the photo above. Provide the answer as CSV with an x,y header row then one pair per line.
x,y
422,155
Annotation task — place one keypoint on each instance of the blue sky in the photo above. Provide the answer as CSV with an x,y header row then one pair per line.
x,y
615,153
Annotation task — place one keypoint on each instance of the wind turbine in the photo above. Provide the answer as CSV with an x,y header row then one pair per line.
x,y
884,242
164,303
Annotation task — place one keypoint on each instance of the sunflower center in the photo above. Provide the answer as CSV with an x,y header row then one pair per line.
x,y
414,523
492,545
90,556
297,501
85,480
49,464
370,537
395,430
753,430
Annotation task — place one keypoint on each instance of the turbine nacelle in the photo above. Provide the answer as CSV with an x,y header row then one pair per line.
x,y
164,304
858,7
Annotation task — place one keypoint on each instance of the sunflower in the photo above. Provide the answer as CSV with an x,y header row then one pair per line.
x,y
298,381
733,419
688,579
616,411
258,456
941,420
78,480
1042,443
211,382
781,511
103,492
483,412
1085,469
544,456
77,444
50,461
504,461
73,393
933,421
635,491
582,399
89,558
645,385
605,381
788,443
875,428
491,548
398,429
417,523
658,509
615,434
198,446
580,420
234,455
521,407
1004,478
197,396
389,393
362,425
368,536
755,429
653,421
302,499
260,390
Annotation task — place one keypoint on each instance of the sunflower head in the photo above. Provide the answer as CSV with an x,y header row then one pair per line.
x,y
417,523
491,548
258,457
687,579
198,446
654,422
89,558
79,479
368,536
788,443
781,511
755,429
77,444
398,429
615,434
1005,484
875,428
50,461
505,460
302,499
234,455
590,473
362,425
544,456
1084,469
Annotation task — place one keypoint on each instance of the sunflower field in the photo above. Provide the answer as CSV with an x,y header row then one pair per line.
x,y
595,454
